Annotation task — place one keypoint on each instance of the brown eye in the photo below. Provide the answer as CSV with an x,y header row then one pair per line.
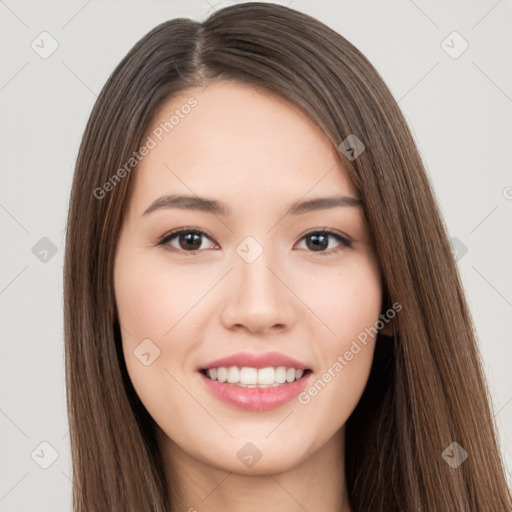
x,y
318,241
188,240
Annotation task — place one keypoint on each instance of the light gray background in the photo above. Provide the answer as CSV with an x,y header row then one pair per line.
x,y
459,110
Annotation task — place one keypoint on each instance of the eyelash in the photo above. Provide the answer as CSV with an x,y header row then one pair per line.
x,y
164,240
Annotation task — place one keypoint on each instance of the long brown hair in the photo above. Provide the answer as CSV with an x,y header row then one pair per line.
x,y
426,389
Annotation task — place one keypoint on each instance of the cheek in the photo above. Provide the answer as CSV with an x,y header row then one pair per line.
x,y
348,300
350,304
153,298
152,304
162,303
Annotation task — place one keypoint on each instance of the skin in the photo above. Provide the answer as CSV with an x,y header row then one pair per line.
x,y
258,154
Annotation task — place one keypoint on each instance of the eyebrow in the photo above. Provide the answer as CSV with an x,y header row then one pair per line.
x,y
212,206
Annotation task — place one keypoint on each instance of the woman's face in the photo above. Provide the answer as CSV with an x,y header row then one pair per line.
x,y
273,290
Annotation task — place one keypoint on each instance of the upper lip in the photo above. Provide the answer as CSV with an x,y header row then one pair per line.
x,y
265,360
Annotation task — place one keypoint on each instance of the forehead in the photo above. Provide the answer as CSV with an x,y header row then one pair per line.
x,y
238,143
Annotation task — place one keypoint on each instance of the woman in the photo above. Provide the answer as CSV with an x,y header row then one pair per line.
x,y
262,310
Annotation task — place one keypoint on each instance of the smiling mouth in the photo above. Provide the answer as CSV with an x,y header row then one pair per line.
x,y
248,377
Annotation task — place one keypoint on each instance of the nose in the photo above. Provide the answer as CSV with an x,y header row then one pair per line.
x,y
258,298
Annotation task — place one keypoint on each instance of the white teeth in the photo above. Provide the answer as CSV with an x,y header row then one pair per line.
x,y
222,374
280,376
266,376
233,374
248,377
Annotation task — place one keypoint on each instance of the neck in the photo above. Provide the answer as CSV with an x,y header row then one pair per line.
x,y
317,483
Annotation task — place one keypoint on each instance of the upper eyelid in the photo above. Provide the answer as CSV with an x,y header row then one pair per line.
x,y
171,234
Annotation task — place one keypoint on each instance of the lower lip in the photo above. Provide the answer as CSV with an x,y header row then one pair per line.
x,y
256,399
